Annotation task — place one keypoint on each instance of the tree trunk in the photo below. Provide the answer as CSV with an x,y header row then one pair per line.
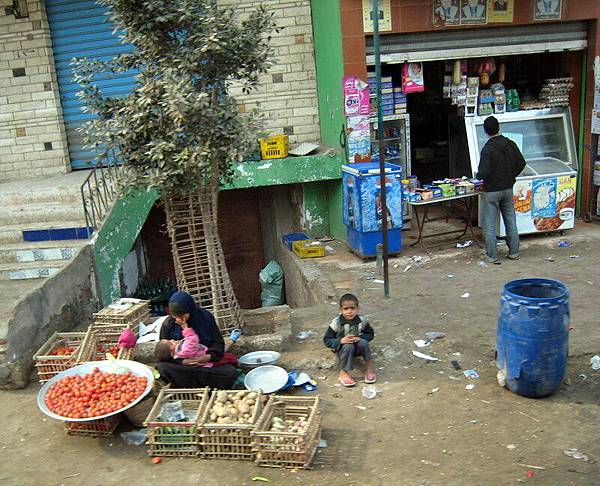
x,y
198,255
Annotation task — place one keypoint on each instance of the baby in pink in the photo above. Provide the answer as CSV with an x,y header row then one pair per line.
x,y
188,347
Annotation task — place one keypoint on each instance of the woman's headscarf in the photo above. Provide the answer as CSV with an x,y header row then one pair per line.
x,y
197,321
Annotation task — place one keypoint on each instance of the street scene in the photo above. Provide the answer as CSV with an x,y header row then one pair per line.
x,y
299,242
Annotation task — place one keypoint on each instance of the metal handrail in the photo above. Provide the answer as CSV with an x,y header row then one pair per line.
x,y
99,191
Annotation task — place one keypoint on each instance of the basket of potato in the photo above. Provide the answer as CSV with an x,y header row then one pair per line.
x,y
227,423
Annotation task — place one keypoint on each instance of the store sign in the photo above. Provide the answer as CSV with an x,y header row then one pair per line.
x,y
385,15
500,10
547,9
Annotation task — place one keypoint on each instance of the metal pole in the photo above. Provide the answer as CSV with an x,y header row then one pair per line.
x,y
380,136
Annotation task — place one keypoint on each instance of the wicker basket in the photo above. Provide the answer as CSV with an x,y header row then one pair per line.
x,y
49,365
100,339
94,428
133,315
228,441
138,413
176,438
276,448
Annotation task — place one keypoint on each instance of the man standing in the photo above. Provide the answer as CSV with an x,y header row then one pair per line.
x,y
500,163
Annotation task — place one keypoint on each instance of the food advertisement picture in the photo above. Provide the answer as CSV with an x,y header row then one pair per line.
x,y
564,213
543,198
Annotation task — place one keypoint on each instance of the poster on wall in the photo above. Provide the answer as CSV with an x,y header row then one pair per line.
x,y
356,96
500,10
547,9
359,138
473,12
385,15
446,12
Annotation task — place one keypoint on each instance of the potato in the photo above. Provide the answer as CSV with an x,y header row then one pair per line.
x,y
213,417
233,412
243,407
252,395
249,401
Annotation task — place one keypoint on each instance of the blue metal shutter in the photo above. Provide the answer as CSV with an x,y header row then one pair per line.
x,y
81,28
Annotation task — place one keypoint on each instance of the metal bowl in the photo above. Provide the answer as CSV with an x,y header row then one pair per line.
x,y
267,378
258,358
109,366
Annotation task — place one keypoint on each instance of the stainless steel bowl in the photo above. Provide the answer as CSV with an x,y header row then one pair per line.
x,y
258,358
108,366
267,378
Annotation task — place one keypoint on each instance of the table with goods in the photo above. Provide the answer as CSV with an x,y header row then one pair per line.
x,y
89,387
456,197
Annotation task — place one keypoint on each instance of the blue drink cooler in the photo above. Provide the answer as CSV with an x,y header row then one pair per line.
x,y
362,212
532,336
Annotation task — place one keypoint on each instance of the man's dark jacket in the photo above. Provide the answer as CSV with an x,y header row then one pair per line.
x,y
500,163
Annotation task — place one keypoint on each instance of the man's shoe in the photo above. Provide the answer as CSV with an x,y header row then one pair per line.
x,y
489,259
513,257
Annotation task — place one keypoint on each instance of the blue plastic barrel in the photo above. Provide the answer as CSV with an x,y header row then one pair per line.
x,y
532,336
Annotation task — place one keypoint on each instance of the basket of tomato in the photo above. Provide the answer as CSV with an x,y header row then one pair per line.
x,y
102,340
87,395
59,353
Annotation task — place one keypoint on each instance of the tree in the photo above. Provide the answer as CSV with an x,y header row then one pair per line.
x,y
180,130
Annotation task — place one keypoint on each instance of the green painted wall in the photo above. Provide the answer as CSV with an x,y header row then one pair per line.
x,y
336,225
316,209
116,237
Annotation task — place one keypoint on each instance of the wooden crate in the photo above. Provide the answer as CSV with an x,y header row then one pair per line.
x,y
49,365
133,315
94,428
278,448
99,340
228,441
176,438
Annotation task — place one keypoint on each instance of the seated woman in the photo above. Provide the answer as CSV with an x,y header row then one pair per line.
x,y
190,372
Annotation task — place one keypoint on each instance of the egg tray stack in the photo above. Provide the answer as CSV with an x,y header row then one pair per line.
x,y
100,339
94,428
176,438
229,440
556,91
49,365
288,432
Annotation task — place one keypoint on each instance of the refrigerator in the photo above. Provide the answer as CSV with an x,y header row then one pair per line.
x,y
362,208
544,193
396,131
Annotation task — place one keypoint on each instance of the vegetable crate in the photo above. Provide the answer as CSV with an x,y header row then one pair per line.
x,y
288,432
275,147
101,340
49,364
228,440
308,248
94,428
176,438
132,315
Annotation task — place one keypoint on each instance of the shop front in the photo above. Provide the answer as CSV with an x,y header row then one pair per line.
x,y
532,75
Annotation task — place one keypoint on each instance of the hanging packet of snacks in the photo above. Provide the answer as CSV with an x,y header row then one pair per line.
x,y
412,77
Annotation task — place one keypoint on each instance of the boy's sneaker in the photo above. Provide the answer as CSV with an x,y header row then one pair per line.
x,y
489,259
513,257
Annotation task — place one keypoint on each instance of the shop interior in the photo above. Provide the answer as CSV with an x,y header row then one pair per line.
x,y
437,129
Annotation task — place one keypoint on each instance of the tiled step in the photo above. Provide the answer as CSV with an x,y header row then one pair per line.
x,y
39,251
39,212
13,233
29,270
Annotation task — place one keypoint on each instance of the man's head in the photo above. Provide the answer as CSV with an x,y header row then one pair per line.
x,y
349,306
164,350
491,126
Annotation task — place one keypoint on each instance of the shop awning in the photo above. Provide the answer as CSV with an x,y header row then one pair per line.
x,y
497,41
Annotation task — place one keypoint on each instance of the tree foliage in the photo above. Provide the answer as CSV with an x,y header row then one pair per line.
x,y
179,128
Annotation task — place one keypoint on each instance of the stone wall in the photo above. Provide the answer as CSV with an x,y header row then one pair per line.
x,y
32,136
287,94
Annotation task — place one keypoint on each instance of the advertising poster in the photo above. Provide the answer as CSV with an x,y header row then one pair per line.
x,y
356,96
543,198
350,203
547,9
372,213
564,216
522,203
359,138
500,10
385,15
473,12
446,12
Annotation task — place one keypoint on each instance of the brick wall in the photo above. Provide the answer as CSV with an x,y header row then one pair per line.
x,y
287,95
32,138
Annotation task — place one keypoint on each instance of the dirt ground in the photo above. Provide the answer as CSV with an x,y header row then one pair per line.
x,y
425,427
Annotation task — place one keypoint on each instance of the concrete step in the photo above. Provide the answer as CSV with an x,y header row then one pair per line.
x,y
41,212
29,270
39,251
13,233
54,188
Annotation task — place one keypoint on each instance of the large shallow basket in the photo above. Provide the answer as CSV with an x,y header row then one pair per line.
x,y
277,448
228,441
176,438
49,365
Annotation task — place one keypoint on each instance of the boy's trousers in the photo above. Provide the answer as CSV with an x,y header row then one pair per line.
x,y
347,353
